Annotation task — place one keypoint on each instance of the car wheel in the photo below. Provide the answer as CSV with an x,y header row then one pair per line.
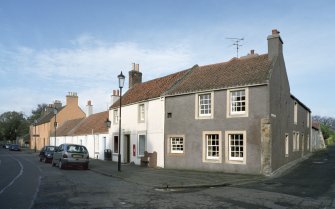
x,y
45,160
86,166
40,159
61,165
53,164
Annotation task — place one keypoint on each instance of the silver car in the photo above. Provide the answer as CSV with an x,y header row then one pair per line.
x,y
70,155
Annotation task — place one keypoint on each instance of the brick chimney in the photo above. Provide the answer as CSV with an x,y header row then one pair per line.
x,y
89,108
135,76
72,99
275,44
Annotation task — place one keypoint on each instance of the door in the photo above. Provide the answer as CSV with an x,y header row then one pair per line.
x,y
128,147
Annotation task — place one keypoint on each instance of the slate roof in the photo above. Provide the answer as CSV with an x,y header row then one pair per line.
x,y
249,70
84,126
47,116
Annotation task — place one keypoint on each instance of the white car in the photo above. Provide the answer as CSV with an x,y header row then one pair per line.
x,y
70,155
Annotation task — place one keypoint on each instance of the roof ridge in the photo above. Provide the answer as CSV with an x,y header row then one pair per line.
x,y
173,86
234,59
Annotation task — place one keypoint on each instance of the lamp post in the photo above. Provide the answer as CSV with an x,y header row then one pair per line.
x,y
55,124
35,123
121,78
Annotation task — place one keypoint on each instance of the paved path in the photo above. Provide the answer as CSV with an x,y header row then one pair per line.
x,y
168,178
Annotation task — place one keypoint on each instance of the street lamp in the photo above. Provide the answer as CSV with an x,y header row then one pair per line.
x,y
108,123
121,78
55,123
35,123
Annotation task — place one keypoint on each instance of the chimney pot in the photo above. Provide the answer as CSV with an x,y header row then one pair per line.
x,y
137,67
133,66
275,31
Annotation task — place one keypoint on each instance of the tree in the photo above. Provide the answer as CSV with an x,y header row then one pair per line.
x,y
13,125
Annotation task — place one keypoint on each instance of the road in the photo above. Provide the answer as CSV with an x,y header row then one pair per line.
x,y
19,180
26,183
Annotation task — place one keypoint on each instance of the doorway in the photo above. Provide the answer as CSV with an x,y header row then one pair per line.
x,y
127,147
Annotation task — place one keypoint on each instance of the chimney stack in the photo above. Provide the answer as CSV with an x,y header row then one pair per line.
x,y
89,108
135,76
115,96
72,99
275,44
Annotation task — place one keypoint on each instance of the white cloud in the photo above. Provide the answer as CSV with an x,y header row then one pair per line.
x,y
89,67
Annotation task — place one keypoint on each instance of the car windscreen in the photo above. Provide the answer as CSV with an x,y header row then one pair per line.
x,y
76,149
51,149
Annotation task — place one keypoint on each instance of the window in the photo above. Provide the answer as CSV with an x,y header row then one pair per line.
x,y
115,116
212,152
237,103
297,138
141,145
236,143
236,146
286,145
177,145
294,141
205,105
295,112
308,119
308,142
141,113
116,144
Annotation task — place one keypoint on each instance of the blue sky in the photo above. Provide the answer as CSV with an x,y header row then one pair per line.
x,y
49,48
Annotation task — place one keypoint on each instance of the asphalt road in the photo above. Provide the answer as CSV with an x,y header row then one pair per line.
x,y
26,183
19,180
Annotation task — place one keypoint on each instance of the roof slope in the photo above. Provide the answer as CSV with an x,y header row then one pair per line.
x,y
249,70
150,89
94,123
45,118
84,126
236,72
67,127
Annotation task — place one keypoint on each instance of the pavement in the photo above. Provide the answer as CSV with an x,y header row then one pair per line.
x,y
162,178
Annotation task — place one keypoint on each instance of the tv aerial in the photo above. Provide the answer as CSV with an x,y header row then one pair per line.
x,y
237,43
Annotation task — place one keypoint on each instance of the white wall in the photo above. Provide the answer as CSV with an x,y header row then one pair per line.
x,y
153,128
95,144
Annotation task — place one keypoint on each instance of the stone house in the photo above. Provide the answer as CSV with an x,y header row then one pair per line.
x,y
237,116
41,132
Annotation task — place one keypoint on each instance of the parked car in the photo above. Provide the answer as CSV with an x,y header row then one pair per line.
x,y
7,146
70,155
14,147
46,153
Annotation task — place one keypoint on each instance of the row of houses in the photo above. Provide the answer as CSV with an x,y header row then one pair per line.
x,y
237,116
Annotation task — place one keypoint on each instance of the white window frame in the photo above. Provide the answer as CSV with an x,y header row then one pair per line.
x,y
205,157
116,116
138,145
235,160
295,114
294,142
286,145
171,144
198,114
230,112
141,113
